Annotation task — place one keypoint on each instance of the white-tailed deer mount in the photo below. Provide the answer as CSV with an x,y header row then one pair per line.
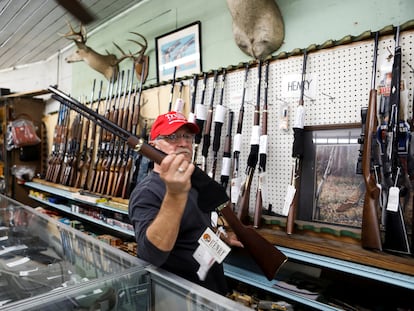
x,y
108,64
258,27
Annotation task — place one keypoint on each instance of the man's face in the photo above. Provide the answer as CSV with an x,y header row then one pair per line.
x,y
180,141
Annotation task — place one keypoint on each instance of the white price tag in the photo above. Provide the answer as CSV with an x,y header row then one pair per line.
x,y
290,194
393,199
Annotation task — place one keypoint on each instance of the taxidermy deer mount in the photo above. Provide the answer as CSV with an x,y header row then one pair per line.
x,y
108,64
258,27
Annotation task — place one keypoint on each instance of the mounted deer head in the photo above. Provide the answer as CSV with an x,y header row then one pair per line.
x,y
258,27
105,64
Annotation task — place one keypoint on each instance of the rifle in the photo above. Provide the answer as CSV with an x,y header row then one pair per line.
x,y
297,153
62,145
396,238
219,116
226,164
70,154
56,143
82,168
90,174
172,89
370,233
209,121
135,162
103,141
237,141
254,243
113,143
200,116
244,196
118,157
123,166
262,155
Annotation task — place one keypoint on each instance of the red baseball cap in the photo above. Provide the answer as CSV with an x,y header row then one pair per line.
x,y
170,122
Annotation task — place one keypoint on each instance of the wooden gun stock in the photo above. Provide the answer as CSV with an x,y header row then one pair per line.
x,y
267,257
370,233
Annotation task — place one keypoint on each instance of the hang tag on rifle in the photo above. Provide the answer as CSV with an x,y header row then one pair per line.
x,y
393,199
290,194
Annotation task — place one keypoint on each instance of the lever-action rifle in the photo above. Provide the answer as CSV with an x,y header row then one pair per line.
x,y
370,233
253,158
237,141
267,256
297,151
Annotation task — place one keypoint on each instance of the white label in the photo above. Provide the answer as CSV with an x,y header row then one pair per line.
x,y
263,144
220,114
292,84
201,112
216,247
393,199
290,194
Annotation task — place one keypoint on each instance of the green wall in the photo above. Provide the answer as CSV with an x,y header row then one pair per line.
x,y
306,22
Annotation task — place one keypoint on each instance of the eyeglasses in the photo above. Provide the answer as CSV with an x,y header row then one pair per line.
x,y
174,138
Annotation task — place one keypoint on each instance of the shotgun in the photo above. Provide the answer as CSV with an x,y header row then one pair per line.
x,y
244,197
297,152
370,231
254,243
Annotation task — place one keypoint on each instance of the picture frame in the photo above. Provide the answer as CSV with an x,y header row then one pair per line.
x,y
329,176
180,51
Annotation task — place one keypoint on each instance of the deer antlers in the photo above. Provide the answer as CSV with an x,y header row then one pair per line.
x,y
106,64
141,60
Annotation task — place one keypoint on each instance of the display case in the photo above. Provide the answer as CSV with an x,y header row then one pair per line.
x,y
47,265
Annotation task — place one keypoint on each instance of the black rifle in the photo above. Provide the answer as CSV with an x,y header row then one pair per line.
x,y
219,116
244,197
297,151
200,116
254,243
209,121
226,163
237,141
262,155
395,166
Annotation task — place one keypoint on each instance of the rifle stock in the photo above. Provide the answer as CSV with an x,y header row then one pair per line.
x,y
266,255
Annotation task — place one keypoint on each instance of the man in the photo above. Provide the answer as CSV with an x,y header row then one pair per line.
x,y
163,208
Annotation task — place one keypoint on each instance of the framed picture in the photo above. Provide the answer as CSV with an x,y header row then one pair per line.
x,y
329,177
179,51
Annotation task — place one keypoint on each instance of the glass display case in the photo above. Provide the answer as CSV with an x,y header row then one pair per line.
x,y
47,265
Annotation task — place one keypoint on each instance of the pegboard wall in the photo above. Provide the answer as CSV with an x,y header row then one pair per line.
x,y
341,79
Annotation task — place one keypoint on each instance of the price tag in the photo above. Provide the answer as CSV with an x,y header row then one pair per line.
x,y
393,199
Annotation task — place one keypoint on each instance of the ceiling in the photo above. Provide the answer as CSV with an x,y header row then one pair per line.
x,y
29,28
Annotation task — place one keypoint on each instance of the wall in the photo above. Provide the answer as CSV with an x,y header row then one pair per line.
x,y
306,22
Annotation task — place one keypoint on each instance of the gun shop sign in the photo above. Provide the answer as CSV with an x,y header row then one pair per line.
x,y
292,86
